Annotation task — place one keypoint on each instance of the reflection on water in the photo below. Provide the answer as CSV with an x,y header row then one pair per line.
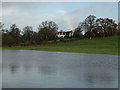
x,y
46,70
39,69
102,78
13,68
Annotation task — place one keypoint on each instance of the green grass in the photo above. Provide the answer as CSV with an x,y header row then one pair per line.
x,y
107,45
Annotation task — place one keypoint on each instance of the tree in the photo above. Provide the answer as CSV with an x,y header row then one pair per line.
x,y
47,30
28,33
7,40
89,24
14,31
15,34
107,26
78,31
11,37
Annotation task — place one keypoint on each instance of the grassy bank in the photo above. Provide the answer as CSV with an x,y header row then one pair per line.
x,y
107,45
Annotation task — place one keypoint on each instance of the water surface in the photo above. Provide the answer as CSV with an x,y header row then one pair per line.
x,y
41,69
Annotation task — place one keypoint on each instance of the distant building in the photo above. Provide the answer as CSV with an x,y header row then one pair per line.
x,y
63,34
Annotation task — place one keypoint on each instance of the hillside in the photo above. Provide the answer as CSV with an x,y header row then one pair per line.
x,y
107,45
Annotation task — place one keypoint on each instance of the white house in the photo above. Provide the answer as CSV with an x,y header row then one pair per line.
x,y
67,33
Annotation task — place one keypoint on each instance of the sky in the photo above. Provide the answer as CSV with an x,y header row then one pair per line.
x,y
67,15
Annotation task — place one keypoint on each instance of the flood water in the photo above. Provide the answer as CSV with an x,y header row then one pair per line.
x,y
42,69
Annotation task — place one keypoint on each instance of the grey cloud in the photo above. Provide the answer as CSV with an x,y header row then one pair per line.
x,y
13,13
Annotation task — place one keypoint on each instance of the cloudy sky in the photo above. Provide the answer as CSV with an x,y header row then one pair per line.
x,y
66,14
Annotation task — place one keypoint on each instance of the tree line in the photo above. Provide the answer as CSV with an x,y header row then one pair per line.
x,y
47,30
97,27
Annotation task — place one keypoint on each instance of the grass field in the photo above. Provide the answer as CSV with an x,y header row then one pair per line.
x,y
107,45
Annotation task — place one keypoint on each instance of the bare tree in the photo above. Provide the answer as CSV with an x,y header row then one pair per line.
x,y
89,24
78,30
48,30
28,33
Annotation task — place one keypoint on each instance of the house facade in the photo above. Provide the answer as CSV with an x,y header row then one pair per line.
x,y
63,34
